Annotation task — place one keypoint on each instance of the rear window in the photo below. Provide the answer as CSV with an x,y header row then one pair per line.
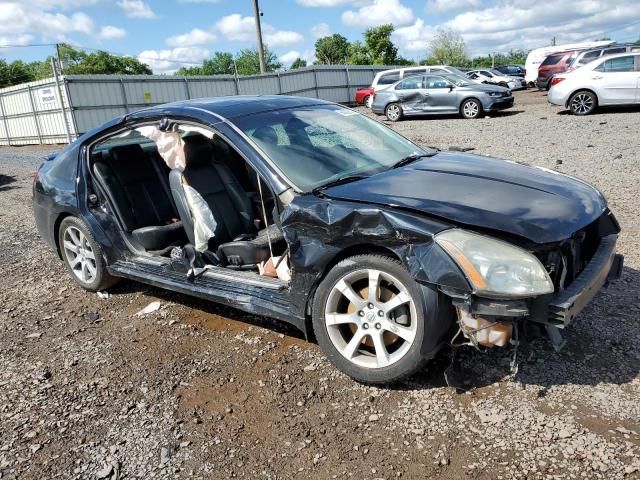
x,y
552,59
389,78
620,64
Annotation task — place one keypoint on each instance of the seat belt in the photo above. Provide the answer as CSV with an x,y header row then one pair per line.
x,y
264,214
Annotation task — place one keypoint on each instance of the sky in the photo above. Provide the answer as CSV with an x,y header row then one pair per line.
x,y
168,34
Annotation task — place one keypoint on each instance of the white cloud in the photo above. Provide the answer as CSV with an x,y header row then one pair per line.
x,y
235,27
441,6
413,38
327,3
320,30
109,32
289,57
193,38
168,61
199,1
136,9
23,19
21,39
378,13
521,24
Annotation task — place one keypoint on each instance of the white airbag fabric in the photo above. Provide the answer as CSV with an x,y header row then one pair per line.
x,y
170,145
204,225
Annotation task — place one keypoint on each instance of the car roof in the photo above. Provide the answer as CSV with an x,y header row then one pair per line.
x,y
233,106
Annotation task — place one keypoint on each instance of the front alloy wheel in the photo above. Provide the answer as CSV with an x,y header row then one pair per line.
x,y
582,103
369,319
471,108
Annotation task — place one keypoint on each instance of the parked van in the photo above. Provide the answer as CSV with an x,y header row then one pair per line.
x,y
588,56
536,57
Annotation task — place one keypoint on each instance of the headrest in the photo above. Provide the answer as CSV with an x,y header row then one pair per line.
x,y
197,150
266,134
295,125
127,153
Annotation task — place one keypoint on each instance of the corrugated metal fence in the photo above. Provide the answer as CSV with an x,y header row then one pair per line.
x,y
47,112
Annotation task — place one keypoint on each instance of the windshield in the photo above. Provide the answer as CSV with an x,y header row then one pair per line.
x,y
455,71
496,72
313,146
458,80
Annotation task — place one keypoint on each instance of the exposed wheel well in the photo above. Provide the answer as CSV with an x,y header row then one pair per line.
x,y
362,249
581,90
56,231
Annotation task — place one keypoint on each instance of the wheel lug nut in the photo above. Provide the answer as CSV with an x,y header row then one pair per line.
x,y
361,313
378,326
365,326
380,313
370,305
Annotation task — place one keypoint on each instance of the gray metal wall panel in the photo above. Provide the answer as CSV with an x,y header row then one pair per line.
x,y
267,85
88,119
95,93
211,88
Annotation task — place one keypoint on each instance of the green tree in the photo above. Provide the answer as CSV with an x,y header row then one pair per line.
x,y
248,61
380,49
298,63
332,50
221,63
358,54
447,47
76,61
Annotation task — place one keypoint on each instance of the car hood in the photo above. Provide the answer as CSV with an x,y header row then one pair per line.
x,y
534,203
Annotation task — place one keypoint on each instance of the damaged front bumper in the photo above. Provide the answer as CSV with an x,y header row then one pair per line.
x,y
490,322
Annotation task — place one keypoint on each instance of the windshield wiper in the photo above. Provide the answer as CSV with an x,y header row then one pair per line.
x,y
338,181
412,158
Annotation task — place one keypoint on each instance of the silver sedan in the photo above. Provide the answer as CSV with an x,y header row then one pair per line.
x,y
443,94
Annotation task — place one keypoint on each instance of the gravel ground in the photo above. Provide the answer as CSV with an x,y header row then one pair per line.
x,y
90,389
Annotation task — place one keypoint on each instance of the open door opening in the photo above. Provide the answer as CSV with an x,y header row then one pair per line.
x,y
181,191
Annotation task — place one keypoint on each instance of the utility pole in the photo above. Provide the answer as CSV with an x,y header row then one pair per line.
x,y
553,41
59,59
258,14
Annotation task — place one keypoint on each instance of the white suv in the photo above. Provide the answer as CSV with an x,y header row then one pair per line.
x,y
611,80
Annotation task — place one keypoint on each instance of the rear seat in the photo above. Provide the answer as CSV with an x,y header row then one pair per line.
x,y
139,193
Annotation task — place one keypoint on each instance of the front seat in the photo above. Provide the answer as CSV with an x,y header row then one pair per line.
x,y
236,239
139,194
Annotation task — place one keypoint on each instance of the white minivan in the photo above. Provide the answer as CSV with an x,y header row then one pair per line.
x,y
386,78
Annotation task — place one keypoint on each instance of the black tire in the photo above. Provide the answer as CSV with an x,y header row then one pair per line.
x,y
101,279
583,102
467,110
393,112
413,359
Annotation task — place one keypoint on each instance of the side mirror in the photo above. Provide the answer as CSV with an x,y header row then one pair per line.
x,y
451,87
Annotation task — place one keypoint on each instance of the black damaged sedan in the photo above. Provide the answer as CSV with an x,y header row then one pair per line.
x,y
313,214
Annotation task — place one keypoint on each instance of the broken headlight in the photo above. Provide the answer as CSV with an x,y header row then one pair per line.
x,y
495,267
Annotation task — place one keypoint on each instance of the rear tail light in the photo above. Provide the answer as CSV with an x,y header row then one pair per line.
x,y
36,177
556,80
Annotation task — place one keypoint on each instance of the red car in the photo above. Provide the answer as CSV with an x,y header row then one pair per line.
x,y
364,96
554,64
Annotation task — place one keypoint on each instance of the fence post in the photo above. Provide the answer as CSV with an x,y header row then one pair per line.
x,y
346,66
4,120
186,88
279,84
124,96
35,116
72,111
64,113
315,82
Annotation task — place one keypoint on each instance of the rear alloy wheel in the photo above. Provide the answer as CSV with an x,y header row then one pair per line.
x,y
393,111
471,108
368,101
83,256
368,318
583,103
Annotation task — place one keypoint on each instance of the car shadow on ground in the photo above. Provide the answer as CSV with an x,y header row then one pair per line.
x,y
606,110
6,182
601,347
455,116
